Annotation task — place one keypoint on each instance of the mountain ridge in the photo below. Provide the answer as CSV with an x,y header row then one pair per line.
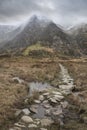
x,y
48,34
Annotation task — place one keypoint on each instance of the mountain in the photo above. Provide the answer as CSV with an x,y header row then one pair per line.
x,y
79,34
8,33
46,33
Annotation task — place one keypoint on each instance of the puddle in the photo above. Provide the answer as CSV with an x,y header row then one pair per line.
x,y
38,87
40,112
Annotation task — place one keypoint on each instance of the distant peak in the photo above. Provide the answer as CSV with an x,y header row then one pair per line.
x,y
34,18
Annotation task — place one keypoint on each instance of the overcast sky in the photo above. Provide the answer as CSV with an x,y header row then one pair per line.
x,y
63,12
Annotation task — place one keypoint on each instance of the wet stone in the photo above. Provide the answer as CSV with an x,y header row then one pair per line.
x,y
43,129
41,97
46,122
32,126
37,101
27,119
26,111
18,113
34,108
18,125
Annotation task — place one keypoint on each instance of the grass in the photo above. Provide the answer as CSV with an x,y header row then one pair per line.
x,y
34,69
36,47
27,68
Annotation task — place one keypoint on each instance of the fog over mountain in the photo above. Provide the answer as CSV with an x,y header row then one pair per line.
x,y
63,12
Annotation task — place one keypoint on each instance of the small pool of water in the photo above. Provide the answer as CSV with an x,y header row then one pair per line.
x,y
40,112
38,87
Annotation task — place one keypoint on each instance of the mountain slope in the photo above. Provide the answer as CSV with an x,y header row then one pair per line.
x,y
80,36
46,33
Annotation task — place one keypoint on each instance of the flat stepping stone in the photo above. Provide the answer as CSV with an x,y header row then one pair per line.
x,y
41,97
46,122
32,126
26,111
60,97
47,106
17,113
27,119
57,111
34,108
56,93
43,129
45,94
18,125
37,101
52,100
47,112
64,104
45,101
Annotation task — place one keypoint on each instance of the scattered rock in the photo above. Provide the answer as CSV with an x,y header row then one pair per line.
x,y
37,101
56,93
47,112
18,80
32,126
85,120
43,129
47,106
45,102
27,119
18,113
41,97
46,122
18,125
57,111
45,94
26,111
64,104
33,108
52,100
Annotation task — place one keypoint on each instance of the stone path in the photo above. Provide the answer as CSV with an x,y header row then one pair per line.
x,y
48,108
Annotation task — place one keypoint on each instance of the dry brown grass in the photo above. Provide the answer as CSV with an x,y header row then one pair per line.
x,y
11,94
31,69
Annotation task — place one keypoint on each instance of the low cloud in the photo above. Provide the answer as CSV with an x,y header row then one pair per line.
x,y
63,12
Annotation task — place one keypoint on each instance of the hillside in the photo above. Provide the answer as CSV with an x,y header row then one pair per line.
x,y
46,33
79,34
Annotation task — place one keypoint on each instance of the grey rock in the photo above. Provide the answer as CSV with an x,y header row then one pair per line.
x,y
52,100
41,97
18,80
43,129
19,125
37,101
34,108
32,126
17,113
46,122
64,104
27,119
26,111
57,111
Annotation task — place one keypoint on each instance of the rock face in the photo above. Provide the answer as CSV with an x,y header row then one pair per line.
x,y
79,34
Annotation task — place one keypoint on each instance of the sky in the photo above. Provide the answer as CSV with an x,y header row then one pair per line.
x,y
64,12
